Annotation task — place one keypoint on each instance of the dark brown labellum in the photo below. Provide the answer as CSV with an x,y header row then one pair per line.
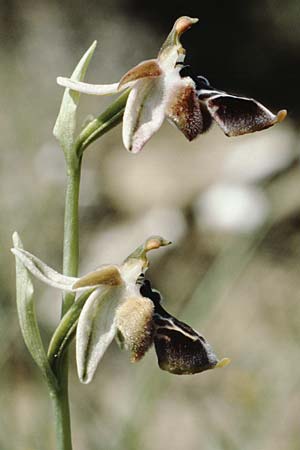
x,y
180,349
234,114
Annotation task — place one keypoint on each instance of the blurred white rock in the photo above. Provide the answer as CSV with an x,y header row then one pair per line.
x,y
252,161
169,171
231,207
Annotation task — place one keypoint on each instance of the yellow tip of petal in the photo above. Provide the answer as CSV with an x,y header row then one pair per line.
x,y
155,242
281,115
224,362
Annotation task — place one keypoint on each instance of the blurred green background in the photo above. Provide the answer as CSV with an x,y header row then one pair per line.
x,y
231,207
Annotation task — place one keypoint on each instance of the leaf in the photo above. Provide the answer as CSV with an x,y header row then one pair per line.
x,y
65,125
27,318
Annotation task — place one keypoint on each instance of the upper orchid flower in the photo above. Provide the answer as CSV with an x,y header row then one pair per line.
x,y
159,90
122,305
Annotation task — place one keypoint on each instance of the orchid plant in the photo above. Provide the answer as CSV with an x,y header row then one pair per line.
x,y
115,301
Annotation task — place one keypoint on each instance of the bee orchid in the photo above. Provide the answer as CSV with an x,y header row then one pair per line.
x,y
159,90
122,306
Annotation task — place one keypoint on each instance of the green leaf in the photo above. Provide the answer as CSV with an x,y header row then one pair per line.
x,y
27,318
64,128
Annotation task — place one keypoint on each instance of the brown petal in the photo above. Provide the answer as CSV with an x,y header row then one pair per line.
x,y
183,24
146,69
180,352
240,115
180,349
134,322
106,275
186,112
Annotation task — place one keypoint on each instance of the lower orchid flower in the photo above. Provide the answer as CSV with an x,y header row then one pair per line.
x,y
122,305
160,89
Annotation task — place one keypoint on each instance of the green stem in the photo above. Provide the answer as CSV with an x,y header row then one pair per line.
x,y
62,419
70,268
71,227
57,353
111,117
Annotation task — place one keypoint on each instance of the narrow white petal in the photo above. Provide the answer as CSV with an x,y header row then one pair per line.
x,y
43,272
96,329
144,112
92,89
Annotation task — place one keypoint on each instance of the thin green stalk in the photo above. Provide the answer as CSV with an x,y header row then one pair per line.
x,y
62,419
111,117
70,267
71,227
65,331
57,353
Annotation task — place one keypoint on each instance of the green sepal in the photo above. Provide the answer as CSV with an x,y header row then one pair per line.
x,y
65,126
28,321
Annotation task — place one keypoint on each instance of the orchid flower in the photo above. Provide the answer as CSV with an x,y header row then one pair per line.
x,y
122,305
160,90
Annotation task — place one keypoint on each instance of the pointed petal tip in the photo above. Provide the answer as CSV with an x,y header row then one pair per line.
x,y
223,363
62,81
134,149
59,80
281,115
155,242
184,23
146,69
84,379
15,238
152,243
135,146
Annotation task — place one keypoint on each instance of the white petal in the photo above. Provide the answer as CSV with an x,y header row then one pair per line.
x,y
43,272
93,89
144,112
96,329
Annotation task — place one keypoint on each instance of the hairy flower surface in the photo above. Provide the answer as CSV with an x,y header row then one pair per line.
x,y
103,315
160,90
122,305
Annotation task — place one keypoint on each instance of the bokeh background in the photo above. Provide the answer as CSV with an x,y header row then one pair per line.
x,y
231,207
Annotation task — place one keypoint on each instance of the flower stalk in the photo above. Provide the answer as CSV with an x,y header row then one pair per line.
x,y
71,226
70,268
111,117
73,148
